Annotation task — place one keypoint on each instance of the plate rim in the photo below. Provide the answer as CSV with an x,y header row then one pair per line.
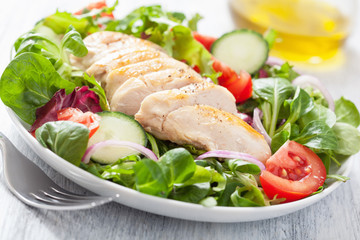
x,y
194,212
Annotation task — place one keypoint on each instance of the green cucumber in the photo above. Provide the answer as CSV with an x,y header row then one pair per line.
x,y
241,49
116,126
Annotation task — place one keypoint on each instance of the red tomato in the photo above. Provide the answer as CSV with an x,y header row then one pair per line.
x,y
206,41
96,5
89,119
293,172
240,85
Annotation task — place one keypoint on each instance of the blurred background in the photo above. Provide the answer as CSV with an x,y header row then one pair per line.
x,y
320,37
308,31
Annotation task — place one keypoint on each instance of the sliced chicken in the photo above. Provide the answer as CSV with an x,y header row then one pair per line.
x,y
156,107
119,76
101,44
128,97
136,73
101,68
209,128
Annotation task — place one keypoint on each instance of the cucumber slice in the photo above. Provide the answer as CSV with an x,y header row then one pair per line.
x,y
116,126
241,49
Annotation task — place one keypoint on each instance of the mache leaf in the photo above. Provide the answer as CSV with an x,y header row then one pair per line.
x,y
29,82
65,138
317,134
347,112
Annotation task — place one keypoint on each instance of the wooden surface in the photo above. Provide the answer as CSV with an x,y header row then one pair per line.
x,y
335,217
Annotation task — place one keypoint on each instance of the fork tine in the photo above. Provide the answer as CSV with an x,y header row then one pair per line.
x,y
45,199
48,202
78,199
61,192
26,181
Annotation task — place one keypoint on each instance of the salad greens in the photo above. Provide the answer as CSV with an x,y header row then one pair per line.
x,y
29,82
40,81
272,93
166,29
66,139
301,115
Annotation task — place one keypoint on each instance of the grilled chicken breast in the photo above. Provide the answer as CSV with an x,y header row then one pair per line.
x,y
119,76
101,44
167,97
156,107
209,128
129,96
105,65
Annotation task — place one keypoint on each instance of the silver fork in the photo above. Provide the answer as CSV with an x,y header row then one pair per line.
x,y
32,186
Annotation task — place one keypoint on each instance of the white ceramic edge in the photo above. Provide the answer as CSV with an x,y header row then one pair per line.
x,y
162,206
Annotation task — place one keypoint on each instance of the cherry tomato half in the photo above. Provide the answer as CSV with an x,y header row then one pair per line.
x,y
240,85
206,41
89,119
293,172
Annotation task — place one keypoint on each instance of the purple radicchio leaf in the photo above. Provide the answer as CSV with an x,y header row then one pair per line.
x,y
81,98
263,74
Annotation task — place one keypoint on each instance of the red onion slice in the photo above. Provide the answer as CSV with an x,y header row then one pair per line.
x,y
232,154
143,150
246,118
258,126
274,61
307,80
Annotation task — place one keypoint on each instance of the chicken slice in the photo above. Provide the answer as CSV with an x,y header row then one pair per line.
x,y
101,44
209,128
118,59
128,97
119,76
156,107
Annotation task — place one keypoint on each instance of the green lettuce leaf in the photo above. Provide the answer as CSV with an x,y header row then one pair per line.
x,y
65,138
29,82
347,112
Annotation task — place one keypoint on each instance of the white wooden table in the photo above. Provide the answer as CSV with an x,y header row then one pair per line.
x,y
335,217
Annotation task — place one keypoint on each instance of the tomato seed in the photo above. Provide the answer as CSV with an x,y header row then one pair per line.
x,y
298,171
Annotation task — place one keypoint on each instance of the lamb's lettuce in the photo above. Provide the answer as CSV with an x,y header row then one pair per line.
x,y
348,138
44,41
319,112
150,178
272,93
298,106
284,71
318,135
248,196
347,112
67,139
29,82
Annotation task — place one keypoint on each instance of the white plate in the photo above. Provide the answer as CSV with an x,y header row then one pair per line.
x,y
162,206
